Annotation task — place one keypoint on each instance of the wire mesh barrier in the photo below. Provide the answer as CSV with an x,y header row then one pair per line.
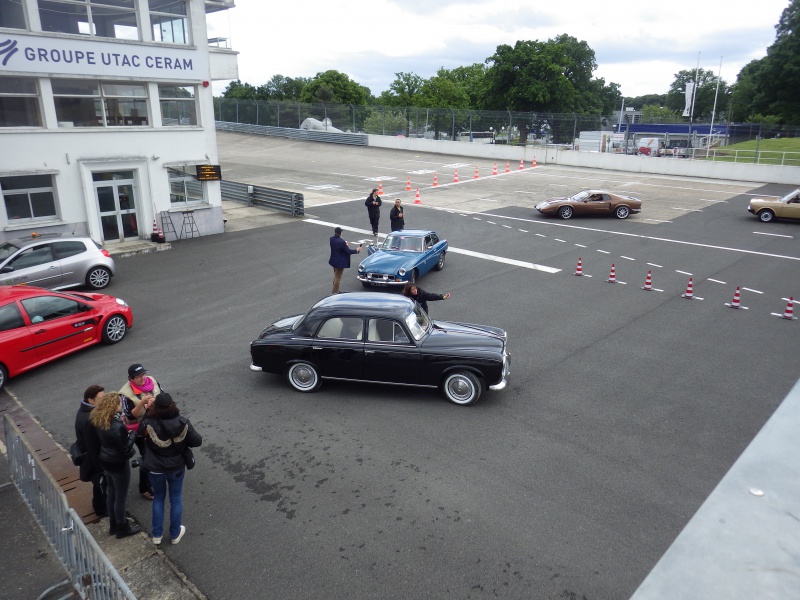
x,y
91,573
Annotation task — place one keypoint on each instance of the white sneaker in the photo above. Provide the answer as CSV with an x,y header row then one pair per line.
x,y
180,535
156,540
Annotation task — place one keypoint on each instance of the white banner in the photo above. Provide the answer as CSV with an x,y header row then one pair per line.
x,y
20,53
689,94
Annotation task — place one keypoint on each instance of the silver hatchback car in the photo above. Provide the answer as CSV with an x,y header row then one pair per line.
x,y
55,261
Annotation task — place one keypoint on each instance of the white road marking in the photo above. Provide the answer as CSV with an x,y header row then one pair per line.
x,y
793,300
752,290
477,219
604,252
540,235
683,273
491,223
774,234
686,209
499,259
627,258
716,281
655,220
558,240
508,226
580,246
655,265
523,230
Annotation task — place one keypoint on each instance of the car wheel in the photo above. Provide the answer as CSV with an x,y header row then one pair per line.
x,y
622,212
766,216
3,375
114,329
462,388
565,212
98,278
440,265
303,376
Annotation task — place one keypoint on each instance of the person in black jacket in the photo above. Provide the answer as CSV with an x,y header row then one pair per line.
x,y
411,290
116,447
373,204
396,216
340,257
167,435
89,445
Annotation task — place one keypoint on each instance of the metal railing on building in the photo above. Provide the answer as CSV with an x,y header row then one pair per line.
x,y
91,573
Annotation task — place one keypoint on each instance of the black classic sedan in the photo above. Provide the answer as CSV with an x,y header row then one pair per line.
x,y
383,338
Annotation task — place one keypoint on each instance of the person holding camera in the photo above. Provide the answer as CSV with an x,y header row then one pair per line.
x,y
136,393
167,437
340,257
116,448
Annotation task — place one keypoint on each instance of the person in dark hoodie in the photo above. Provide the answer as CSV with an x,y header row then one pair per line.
x,y
167,434
411,290
116,447
89,445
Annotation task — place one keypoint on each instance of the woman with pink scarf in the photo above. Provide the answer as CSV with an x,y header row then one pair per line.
x,y
140,389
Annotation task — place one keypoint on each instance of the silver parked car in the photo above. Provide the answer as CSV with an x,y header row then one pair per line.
x,y
55,261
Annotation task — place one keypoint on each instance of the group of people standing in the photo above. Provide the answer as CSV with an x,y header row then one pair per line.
x,y
374,203
110,426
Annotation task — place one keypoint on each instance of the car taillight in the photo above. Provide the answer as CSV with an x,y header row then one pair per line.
x,y
105,253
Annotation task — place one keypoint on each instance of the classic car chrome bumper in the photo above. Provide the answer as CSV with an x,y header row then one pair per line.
x,y
506,370
255,368
379,282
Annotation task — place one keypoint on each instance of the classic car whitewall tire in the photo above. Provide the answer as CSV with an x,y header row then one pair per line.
x,y
303,377
462,388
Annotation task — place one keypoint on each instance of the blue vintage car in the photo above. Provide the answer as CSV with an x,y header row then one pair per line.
x,y
404,256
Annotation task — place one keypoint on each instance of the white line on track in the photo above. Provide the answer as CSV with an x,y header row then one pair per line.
x,y
523,230
604,252
499,259
539,235
627,258
774,234
793,300
683,272
558,240
491,223
716,281
580,246
508,226
752,290
655,220
656,266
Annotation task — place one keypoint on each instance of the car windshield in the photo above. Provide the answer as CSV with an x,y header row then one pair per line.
x,y
418,322
580,196
6,250
788,197
402,242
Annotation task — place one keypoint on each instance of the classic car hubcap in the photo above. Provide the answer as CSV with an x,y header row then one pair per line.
x,y
460,389
303,376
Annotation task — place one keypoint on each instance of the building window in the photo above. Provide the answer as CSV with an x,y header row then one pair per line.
x,y
178,106
169,21
183,186
97,18
19,102
28,197
12,15
82,103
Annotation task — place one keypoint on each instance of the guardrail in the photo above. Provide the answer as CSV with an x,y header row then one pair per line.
x,y
91,573
290,202
307,135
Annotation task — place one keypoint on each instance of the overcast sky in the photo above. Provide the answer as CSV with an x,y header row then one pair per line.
x,y
640,45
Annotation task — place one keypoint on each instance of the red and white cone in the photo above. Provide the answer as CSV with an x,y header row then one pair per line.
x,y
380,188
737,300
789,312
612,277
521,164
533,164
408,184
579,269
507,169
476,176
648,282
435,180
416,199
155,227
494,171
455,176
689,294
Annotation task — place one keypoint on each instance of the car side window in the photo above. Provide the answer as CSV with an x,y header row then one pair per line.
x,y
384,330
434,239
67,249
10,317
32,257
347,328
47,308
428,241
398,334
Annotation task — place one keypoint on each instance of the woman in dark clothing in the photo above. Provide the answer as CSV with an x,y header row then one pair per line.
x,y
89,444
373,204
411,290
116,447
167,434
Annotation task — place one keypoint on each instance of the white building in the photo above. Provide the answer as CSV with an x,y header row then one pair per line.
x,y
106,110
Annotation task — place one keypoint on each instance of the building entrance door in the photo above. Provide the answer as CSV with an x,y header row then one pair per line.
x,y
116,202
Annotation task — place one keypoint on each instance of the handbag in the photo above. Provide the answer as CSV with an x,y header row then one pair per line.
x,y
188,457
76,454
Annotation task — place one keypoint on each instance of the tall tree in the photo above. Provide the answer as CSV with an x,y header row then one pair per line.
x,y
704,93
241,91
442,91
404,92
334,87
780,76
283,88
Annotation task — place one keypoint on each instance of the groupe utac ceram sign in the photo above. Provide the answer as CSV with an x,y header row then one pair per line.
x,y
26,54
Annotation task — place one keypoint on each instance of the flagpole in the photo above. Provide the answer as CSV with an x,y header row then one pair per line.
x,y
694,97
714,110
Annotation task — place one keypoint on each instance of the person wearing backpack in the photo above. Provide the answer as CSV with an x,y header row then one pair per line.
x,y
168,438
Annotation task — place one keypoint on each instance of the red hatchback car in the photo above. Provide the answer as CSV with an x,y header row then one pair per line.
x,y
38,325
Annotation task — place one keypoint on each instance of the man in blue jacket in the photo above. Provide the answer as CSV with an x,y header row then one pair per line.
x,y
340,257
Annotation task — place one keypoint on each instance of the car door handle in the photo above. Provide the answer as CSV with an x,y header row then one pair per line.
x,y
42,331
369,351
316,347
53,267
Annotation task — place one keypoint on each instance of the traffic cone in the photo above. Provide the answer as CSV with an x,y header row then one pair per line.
x,y
534,162
380,188
612,277
507,169
648,282
161,238
435,180
521,164
789,312
417,200
154,235
737,302
579,269
455,176
689,294
494,171
476,173
408,184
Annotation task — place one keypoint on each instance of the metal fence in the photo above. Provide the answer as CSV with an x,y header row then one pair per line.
x,y
290,202
89,569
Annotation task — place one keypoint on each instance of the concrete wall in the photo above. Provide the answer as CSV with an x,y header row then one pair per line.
x,y
595,160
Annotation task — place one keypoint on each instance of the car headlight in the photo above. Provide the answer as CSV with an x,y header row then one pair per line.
x,y
401,272
361,268
121,302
